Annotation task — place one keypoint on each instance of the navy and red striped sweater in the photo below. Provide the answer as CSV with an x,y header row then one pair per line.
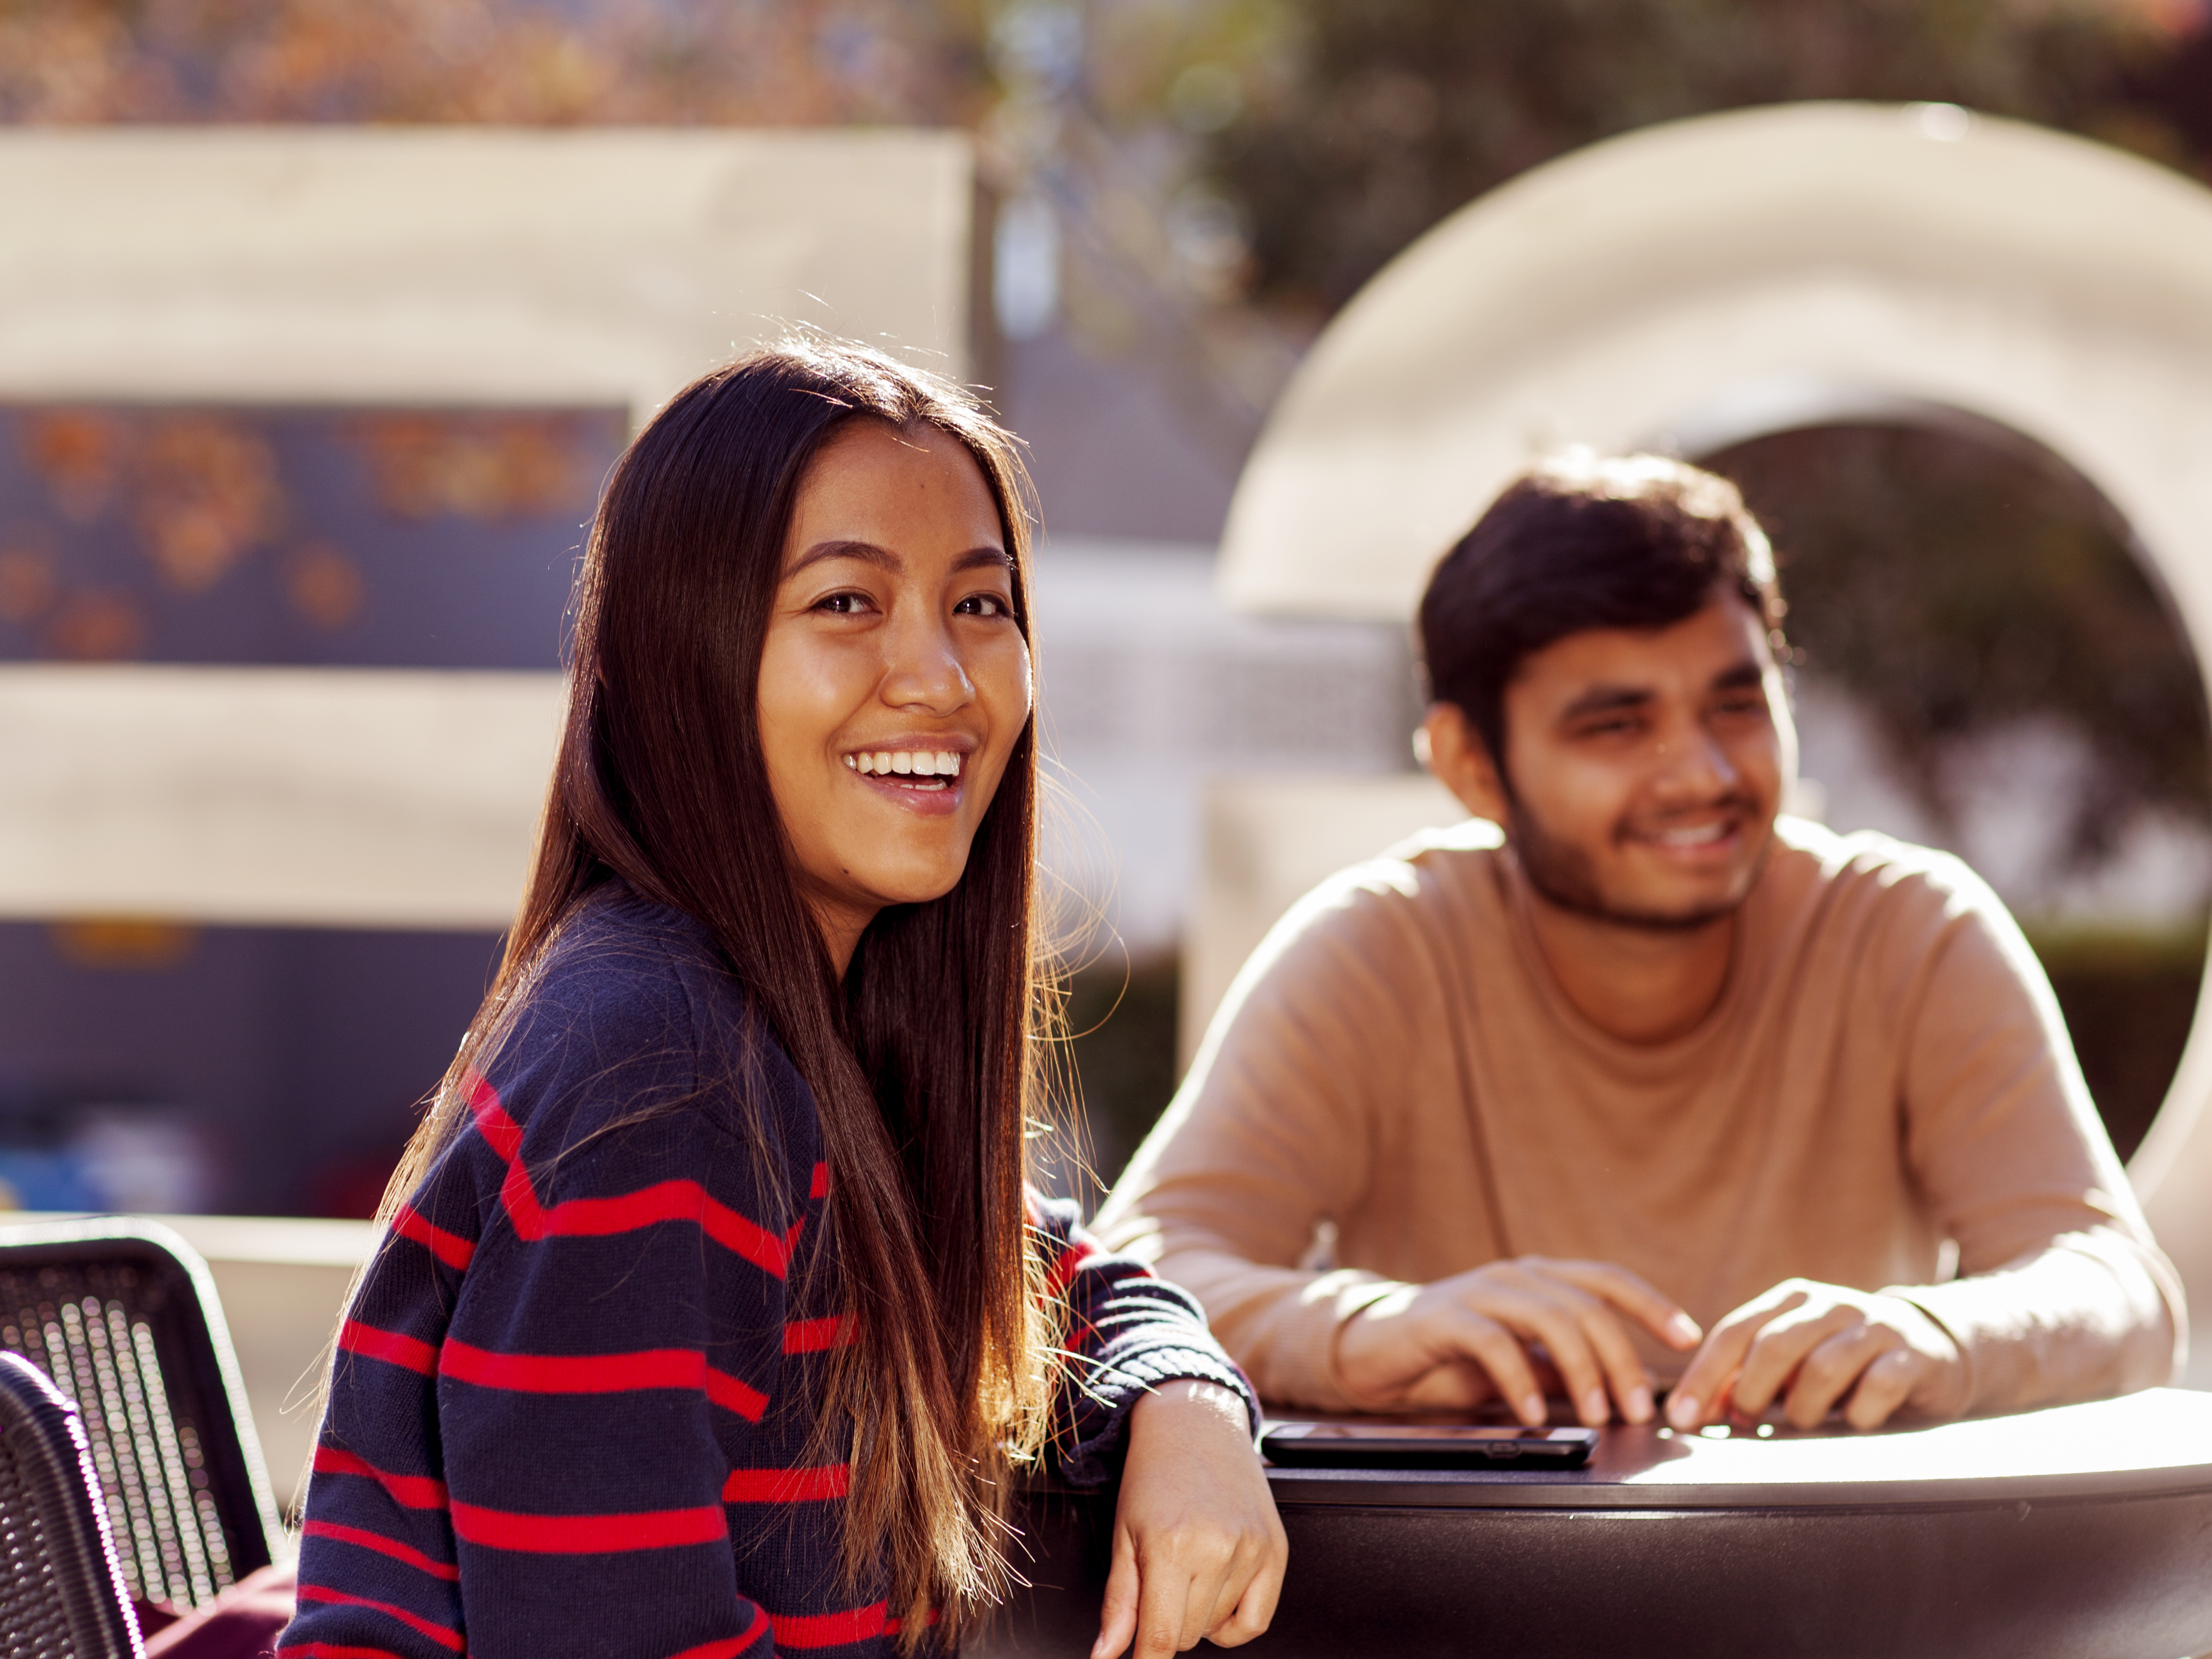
x,y
570,1409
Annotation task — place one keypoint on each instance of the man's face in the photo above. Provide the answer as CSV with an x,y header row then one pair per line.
x,y
1645,767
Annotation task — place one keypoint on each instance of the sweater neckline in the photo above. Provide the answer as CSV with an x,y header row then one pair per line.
x,y
1669,1053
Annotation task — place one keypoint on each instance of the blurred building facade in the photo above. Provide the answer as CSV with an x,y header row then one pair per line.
x,y
1173,200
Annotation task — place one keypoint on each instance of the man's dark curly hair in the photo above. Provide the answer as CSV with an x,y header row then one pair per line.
x,y
1633,541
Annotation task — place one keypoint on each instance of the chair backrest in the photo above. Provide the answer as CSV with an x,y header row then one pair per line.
x,y
121,1314
61,1593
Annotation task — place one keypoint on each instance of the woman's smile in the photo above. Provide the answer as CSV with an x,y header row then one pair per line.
x,y
922,775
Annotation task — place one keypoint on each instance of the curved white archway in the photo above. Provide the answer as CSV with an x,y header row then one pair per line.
x,y
1693,285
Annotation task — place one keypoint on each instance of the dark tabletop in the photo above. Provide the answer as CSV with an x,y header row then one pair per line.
x,y
2157,1442
2082,1532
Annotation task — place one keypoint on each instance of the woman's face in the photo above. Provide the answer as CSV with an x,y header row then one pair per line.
x,y
894,679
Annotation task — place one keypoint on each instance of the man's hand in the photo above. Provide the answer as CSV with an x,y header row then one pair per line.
x,y
1464,1339
1821,1343
1198,1550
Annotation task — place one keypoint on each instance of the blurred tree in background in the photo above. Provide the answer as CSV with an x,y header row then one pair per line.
x,y
1962,581
1366,121
1222,173
522,61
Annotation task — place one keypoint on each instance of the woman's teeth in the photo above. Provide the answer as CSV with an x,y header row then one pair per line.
x,y
916,762
1696,836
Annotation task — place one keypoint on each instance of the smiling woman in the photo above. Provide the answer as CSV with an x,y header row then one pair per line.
x,y
714,1311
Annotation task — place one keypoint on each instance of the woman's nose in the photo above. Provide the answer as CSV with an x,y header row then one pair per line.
x,y
923,670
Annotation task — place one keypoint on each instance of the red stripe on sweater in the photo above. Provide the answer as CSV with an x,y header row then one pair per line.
x,y
1064,1269
493,1122
450,1248
414,1491
383,1545
819,1484
439,1633
589,1535
595,1373
821,1187
600,1373
393,1347
597,1217
733,1394
813,1336
332,1651
830,1630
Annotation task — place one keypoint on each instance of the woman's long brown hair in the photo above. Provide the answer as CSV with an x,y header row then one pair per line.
x,y
920,1060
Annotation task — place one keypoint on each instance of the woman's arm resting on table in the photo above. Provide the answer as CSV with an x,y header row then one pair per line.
x,y
1198,1549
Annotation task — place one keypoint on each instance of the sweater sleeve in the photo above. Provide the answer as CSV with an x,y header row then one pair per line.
x,y
2061,1292
1128,1331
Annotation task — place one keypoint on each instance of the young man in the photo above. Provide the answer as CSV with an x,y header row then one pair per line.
x,y
1662,1088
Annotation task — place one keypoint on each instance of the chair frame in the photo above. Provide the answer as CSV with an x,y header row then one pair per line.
x,y
41,1431
239,1481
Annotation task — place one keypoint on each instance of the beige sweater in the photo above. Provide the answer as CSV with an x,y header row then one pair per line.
x,y
1885,1096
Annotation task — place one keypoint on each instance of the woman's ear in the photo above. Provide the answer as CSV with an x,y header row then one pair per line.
x,y
1456,756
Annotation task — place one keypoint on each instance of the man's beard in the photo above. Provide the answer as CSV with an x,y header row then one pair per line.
x,y
1561,875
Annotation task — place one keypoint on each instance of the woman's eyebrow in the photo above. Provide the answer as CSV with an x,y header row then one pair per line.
x,y
868,552
884,559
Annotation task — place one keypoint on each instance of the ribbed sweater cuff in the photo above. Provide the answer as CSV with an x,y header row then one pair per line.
x,y
1116,1387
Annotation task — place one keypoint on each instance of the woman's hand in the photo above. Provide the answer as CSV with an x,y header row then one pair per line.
x,y
1198,1550
1465,1340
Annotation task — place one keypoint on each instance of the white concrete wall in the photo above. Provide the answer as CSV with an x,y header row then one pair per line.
x,y
328,266
463,265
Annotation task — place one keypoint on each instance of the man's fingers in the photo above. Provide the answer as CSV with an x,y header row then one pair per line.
x,y
1698,1396
1493,1348
1884,1386
1699,1393
1456,1385
1633,1295
1117,1614
1536,1318
1827,1373
1624,1369
1781,1346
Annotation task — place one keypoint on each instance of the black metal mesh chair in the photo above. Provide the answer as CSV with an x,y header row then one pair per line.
x,y
61,1593
122,1316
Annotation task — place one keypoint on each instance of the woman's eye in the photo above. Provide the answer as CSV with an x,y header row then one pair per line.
x,y
843,605
984,605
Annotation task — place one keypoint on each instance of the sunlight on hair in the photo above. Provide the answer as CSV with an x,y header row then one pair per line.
x,y
1639,476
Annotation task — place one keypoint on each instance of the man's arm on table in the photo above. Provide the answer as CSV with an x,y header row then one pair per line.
x,y
2062,1293
1269,1134
1325,1031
